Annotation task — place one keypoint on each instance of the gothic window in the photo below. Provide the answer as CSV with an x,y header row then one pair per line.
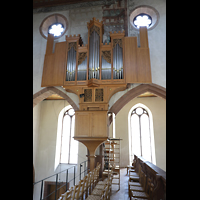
x,y
141,137
66,147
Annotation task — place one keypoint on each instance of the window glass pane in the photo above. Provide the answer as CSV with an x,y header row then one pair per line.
x,y
139,111
65,139
135,134
146,148
74,145
56,29
71,112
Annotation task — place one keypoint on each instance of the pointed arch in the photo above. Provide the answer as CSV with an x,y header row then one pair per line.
x,y
133,93
48,91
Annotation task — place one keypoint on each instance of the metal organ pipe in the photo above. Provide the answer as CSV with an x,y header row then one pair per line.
x,y
94,56
117,62
71,65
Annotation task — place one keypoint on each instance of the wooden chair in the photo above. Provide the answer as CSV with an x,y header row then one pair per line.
x,y
147,190
78,190
106,187
86,187
81,192
95,197
92,180
101,184
110,176
67,195
129,167
106,192
96,174
134,176
98,192
109,188
136,187
151,188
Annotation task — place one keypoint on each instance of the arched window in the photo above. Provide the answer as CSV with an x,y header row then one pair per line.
x,y
66,146
141,133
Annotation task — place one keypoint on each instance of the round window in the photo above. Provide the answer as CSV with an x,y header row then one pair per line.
x,y
142,20
56,29
55,24
144,16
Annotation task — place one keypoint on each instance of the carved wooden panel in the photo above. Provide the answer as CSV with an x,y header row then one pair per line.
x,y
99,95
87,95
107,55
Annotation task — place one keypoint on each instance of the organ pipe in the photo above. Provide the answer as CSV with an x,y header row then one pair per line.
x,y
117,62
94,55
93,69
71,65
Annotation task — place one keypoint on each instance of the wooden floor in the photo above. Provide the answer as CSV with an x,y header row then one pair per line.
x,y
121,194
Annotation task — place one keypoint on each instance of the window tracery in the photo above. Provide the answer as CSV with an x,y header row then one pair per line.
x,y
141,141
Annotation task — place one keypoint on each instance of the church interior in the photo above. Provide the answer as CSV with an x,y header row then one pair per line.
x,y
99,99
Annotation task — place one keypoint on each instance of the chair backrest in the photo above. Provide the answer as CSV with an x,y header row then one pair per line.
x,y
92,176
145,183
106,192
87,180
141,177
140,168
143,180
82,184
151,188
76,190
68,196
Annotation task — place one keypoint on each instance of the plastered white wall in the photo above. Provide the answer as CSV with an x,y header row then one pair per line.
x,y
45,119
46,148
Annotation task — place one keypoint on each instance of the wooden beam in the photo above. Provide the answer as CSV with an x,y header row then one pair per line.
x,y
49,46
143,37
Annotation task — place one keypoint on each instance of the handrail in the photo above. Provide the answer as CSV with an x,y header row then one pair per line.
x,y
67,181
53,175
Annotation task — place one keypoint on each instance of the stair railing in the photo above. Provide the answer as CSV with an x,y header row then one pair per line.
x,y
85,171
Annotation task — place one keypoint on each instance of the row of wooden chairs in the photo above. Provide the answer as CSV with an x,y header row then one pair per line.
x,y
84,187
140,186
102,190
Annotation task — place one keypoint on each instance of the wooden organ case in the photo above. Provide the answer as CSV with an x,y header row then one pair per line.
x,y
96,71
